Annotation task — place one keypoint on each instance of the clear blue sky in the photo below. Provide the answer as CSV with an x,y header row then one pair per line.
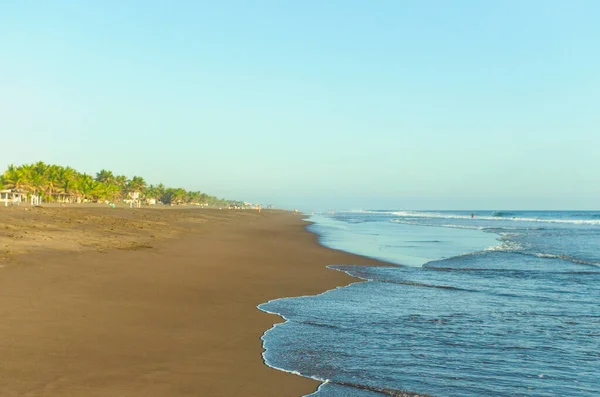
x,y
313,104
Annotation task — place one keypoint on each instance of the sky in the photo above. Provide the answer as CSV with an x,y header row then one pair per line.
x,y
313,104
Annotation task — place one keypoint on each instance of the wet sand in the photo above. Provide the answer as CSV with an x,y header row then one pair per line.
x,y
151,302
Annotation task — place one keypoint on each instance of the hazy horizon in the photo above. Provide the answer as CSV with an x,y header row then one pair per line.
x,y
312,105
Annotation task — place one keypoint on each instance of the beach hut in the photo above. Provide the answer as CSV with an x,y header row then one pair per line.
x,y
11,197
4,196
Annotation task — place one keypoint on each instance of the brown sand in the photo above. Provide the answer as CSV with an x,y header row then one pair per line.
x,y
149,302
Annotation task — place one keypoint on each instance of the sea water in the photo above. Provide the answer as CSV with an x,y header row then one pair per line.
x,y
485,303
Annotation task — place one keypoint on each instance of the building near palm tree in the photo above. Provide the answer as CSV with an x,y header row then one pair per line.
x,y
63,198
11,197
134,199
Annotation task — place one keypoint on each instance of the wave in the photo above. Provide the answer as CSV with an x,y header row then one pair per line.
x,y
516,248
564,257
492,229
508,234
376,212
499,214
500,270
507,246
499,229
354,271
438,215
513,248
416,223
415,284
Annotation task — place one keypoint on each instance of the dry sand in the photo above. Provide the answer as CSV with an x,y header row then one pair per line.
x,y
150,302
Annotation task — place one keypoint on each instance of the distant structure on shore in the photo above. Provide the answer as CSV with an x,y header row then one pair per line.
x,y
245,206
11,197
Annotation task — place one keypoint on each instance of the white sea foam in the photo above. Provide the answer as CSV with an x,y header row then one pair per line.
x,y
268,364
507,246
510,246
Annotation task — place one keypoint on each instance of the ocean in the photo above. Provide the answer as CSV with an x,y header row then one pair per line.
x,y
475,303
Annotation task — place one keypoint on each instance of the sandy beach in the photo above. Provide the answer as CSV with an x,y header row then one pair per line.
x,y
150,302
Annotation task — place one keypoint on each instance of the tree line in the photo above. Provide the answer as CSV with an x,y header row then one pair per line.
x,y
57,183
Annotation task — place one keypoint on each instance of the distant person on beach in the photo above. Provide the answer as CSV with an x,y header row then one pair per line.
x,y
295,212
472,216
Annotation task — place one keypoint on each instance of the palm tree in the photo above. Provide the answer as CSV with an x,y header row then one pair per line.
x,y
40,167
101,191
178,196
136,184
86,186
156,192
105,176
15,178
37,181
121,181
66,181
112,191
52,181
160,191
152,192
195,197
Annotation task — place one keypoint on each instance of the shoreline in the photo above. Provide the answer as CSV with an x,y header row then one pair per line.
x,y
161,319
323,382
285,320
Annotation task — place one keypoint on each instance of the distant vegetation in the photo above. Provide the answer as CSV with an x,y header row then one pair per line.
x,y
64,184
